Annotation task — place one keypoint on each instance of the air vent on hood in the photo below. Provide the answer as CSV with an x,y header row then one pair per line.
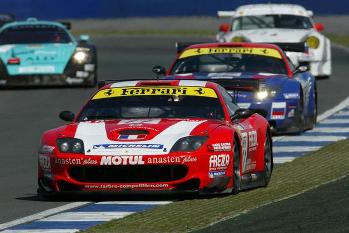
x,y
133,132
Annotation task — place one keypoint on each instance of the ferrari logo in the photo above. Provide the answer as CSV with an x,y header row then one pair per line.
x,y
108,92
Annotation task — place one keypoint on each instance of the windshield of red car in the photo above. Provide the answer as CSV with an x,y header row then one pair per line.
x,y
271,21
203,104
34,34
229,62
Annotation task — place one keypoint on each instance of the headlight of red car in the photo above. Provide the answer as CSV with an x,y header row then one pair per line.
x,y
190,143
70,145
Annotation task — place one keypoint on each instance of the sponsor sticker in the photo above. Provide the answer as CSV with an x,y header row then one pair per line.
x,y
44,162
147,91
75,161
278,110
223,146
122,160
36,69
126,186
219,162
171,159
128,146
46,149
213,174
291,95
139,121
269,52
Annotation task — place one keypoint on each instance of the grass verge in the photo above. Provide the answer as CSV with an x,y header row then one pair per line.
x,y
291,178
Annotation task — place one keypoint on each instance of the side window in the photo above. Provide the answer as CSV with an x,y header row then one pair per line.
x,y
232,107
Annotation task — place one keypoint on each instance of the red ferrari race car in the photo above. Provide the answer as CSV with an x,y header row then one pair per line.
x,y
157,135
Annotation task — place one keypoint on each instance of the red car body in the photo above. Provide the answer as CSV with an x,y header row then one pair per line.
x,y
138,154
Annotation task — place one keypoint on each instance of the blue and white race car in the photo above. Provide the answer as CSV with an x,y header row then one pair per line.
x,y
258,76
34,52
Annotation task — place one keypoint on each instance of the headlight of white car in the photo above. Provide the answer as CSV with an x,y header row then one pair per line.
x,y
313,42
238,39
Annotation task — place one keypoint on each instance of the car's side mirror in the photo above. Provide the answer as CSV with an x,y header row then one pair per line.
x,y
67,116
225,27
159,70
300,69
84,38
242,113
319,27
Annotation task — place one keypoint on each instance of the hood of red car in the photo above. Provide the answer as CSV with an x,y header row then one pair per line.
x,y
138,136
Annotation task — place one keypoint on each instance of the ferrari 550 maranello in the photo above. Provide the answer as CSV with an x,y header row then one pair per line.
x,y
34,52
166,135
258,76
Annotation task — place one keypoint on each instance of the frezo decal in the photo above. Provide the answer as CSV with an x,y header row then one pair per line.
x,y
219,162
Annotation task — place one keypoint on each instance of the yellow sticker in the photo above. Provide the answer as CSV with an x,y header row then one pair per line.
x,y
237,50
158,90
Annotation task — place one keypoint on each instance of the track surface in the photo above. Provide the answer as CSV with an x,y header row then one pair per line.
x,y
25,114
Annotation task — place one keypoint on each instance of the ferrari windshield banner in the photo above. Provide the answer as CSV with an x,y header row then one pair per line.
x,y
142,91
269,52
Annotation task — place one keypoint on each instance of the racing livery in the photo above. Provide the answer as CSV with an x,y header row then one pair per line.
x,y
164,135
270,23
36,52
259,77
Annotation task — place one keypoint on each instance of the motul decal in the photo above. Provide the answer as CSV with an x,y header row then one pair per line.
x,y
122,160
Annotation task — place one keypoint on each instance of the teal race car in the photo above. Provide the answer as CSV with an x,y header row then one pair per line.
x,y
35,52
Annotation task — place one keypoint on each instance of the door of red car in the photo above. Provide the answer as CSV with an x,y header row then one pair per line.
x,y
248,132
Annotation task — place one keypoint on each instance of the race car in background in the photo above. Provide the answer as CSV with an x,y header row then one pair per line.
x,y
6,18
34,52
258,76
271,23
161,135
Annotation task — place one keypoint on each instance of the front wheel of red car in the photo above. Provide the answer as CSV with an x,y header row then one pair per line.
x,y
236,169
268,161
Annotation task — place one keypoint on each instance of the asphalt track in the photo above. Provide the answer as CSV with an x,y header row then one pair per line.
x,y
25,114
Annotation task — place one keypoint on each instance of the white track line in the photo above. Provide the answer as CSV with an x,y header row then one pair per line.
x,y
330,130
283,159
279,149
337,108
86,216
335,121
134,202
314,138
42,231
42,214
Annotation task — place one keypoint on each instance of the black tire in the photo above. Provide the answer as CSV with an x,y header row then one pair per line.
x,y
314,119
300,113
236,169
268,160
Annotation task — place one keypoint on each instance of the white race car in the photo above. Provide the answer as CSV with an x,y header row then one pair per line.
x,y
281,23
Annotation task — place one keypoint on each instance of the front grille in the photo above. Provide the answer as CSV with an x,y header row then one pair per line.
x,y
128,174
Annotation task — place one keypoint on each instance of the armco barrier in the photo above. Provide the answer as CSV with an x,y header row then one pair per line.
x,y
59,9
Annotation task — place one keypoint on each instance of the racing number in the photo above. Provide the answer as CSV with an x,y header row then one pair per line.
x,y
244,145
249,145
